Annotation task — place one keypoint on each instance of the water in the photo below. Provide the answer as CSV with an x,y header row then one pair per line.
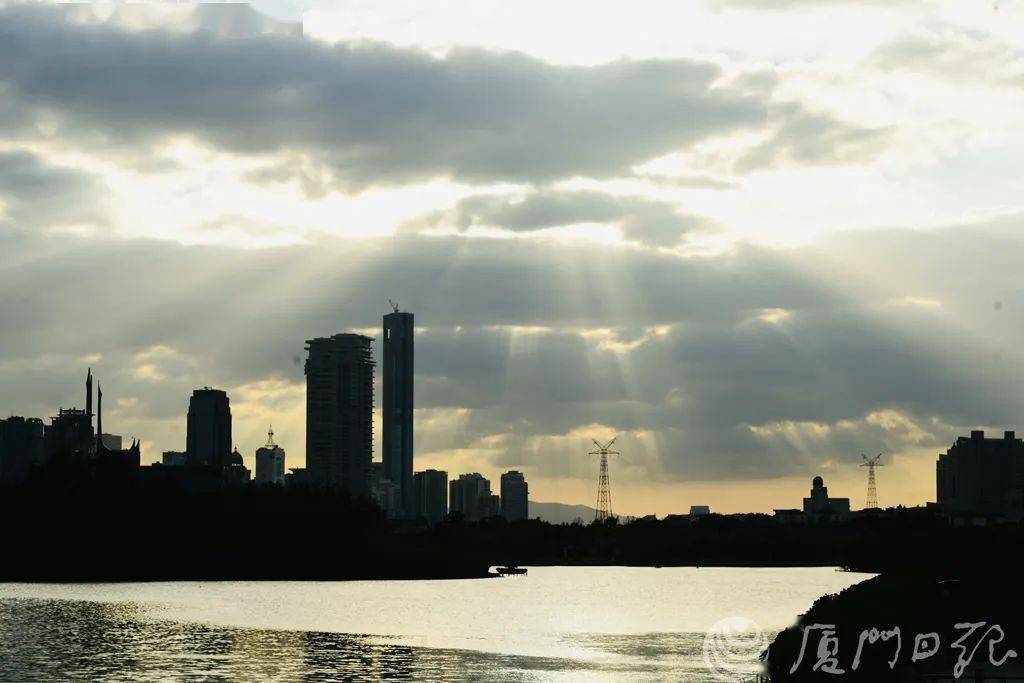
x,y
556,624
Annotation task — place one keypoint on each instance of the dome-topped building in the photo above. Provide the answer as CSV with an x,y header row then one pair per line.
x,y
819,503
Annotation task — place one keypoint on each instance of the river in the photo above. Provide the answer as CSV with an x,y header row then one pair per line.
x,y
554,624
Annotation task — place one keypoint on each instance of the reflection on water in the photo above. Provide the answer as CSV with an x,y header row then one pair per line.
x,y
48,640
557,624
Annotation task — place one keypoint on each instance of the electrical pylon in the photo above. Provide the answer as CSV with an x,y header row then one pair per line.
x,y
604,489
871,464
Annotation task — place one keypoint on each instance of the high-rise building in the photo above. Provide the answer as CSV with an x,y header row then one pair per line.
x,y
339,411
208,440
21,447
397,409
470,495
270,462
982,476
431,494
488,506
515,496
111,442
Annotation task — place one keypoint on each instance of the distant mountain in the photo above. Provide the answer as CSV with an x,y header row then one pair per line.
x,y
560,513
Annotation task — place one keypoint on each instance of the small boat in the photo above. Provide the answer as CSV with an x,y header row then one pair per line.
x,y
511,570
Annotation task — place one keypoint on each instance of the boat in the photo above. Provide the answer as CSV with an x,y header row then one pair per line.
x,y
511,570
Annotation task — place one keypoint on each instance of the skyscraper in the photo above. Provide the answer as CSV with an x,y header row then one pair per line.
x,y
208,441
339,411
431,493
471,495
515,496
397,396
270,462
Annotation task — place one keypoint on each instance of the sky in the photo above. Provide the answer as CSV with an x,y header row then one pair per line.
x,y
752,239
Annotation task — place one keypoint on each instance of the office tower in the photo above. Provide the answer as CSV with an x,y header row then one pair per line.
x,y
270,462
982,475
21,447
339,412
111,442
208,441
470,495
515,495
431,494
397,409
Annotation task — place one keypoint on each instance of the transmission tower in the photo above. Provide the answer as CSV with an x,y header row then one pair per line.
x,y
871,464
604,490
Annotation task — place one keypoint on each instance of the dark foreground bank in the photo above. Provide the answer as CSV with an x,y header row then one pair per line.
x,y
131,531
958,620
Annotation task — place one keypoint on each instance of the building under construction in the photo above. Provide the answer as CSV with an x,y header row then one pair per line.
x,y
339,411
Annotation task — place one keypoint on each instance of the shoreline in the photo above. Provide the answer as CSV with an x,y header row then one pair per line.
x,y
458,577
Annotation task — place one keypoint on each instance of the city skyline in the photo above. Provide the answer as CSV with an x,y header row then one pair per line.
x,y
209,442
743,256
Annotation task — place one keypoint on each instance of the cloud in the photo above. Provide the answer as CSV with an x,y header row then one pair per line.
x,y
953,54
803,138
797,4
640,219
366,113
752,363
36,195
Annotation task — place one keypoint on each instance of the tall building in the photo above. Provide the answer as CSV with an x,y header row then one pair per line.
x,y
470,495
488,506
515,496
431,494
982,475
270,462
397,409
111,442
21,447
208,441
339,411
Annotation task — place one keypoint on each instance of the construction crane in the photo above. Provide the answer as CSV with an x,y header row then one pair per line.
x,y
871,464
604,492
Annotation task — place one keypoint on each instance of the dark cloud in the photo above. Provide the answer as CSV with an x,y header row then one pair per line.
x,y
36,195
361,113
752,363
640,219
